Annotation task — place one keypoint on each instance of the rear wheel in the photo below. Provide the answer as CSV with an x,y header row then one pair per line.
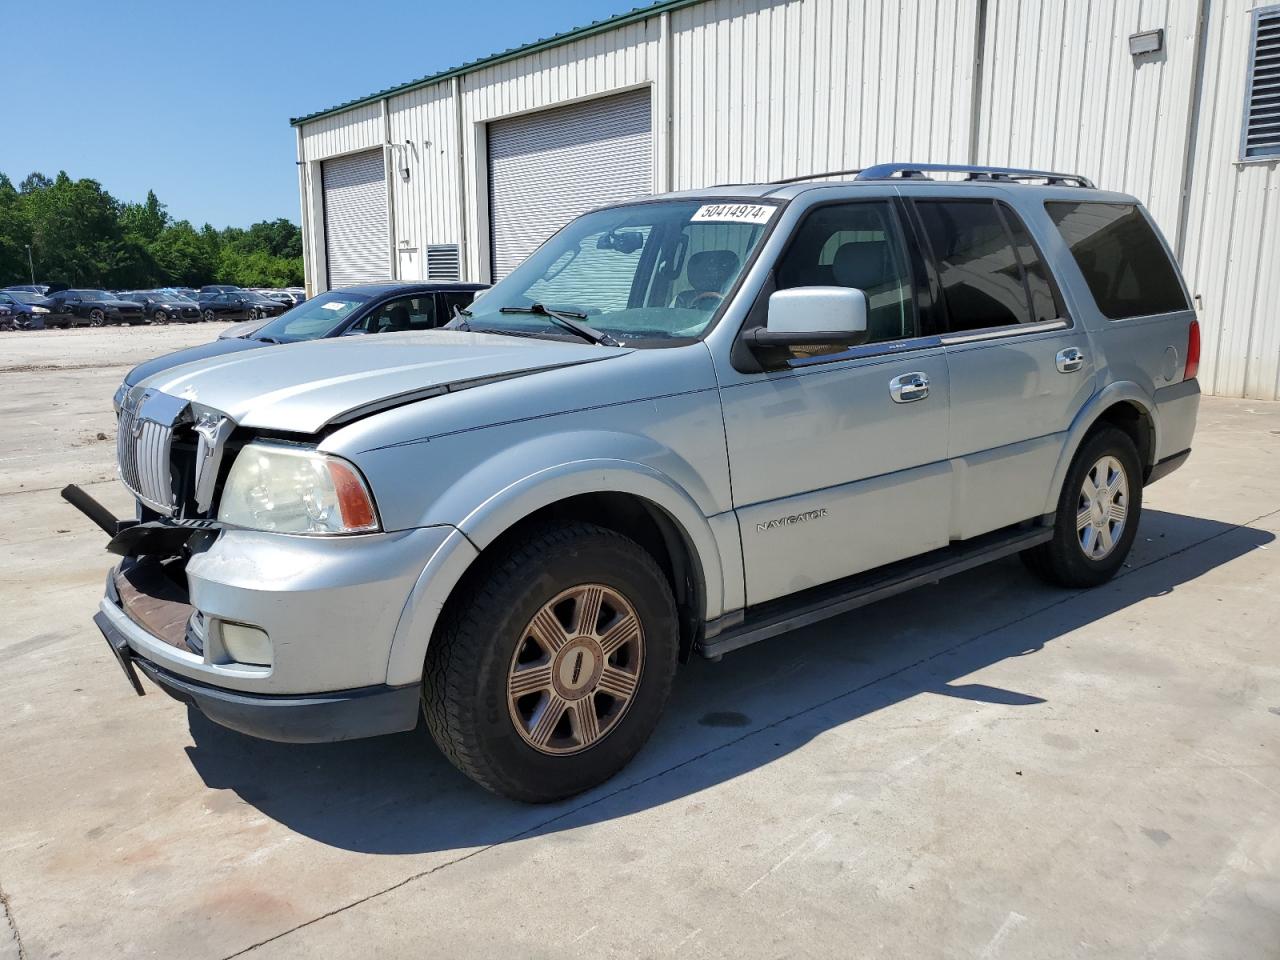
x,y
552,673
1097,516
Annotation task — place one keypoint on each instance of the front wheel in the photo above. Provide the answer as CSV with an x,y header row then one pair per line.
x,y
97,318
553,671
208,316
252,315
160,317
1097,516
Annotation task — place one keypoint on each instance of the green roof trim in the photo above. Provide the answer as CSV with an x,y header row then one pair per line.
x,y
568,36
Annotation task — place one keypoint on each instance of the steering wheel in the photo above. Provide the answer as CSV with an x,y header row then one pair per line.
x,y
707,295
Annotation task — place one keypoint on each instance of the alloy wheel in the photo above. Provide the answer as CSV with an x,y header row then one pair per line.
x,y
96,318
576,669
161,317
1103,508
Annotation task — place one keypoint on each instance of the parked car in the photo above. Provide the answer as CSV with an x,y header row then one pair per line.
x,y
165,306
238,305
218,288
42,289
71,308
368,308
27,309
7,319
519,524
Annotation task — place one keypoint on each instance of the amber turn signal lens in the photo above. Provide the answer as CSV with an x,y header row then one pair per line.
x,y
353,499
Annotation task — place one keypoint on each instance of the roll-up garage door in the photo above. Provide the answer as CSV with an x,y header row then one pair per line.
x,y
355,219
548,167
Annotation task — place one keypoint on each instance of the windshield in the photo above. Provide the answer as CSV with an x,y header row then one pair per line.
x,y
646,272
23,296
314,318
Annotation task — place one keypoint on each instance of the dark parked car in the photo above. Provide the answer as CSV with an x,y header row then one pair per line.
x,y
351,311
28,310
218,288
238,305
78,308
165,306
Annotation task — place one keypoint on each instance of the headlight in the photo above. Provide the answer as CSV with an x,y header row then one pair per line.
x,y
296,490
39,309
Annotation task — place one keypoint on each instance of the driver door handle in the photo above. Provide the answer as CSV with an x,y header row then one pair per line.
x,y
909,387
1070,359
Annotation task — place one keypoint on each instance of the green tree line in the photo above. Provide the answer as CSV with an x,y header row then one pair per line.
x,y
81,235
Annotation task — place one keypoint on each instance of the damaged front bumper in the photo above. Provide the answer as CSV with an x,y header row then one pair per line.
x,y
329,605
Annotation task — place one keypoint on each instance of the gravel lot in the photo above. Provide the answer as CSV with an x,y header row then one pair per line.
x,y
983,768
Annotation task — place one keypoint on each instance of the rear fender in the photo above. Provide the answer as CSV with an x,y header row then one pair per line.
x,y
1122,391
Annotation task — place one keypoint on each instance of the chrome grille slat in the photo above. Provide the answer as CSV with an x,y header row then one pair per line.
x,y
143,445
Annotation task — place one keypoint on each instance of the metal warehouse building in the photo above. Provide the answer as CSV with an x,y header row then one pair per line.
x,y
462,174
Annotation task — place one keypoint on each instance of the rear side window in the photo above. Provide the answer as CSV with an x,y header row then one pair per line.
x,y
1123,261
990,272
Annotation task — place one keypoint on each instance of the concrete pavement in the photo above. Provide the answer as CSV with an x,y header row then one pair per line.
x,y
986,767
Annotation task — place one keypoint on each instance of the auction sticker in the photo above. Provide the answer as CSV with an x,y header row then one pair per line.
x,y
734,213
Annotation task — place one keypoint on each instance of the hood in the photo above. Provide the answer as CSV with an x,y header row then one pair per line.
x,y
217,348
303,387
241,329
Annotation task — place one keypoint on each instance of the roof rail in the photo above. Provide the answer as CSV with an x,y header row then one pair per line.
x,y
918,171
816,176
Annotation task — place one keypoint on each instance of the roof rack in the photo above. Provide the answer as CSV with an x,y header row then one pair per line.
x,y
918,171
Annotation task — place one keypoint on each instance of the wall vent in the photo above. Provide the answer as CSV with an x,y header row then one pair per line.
x,y
1261,136
442,261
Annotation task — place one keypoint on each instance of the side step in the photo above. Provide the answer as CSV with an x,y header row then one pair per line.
x,y
832,599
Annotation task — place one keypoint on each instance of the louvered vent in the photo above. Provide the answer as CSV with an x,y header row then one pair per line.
x,y
1262,105
442,261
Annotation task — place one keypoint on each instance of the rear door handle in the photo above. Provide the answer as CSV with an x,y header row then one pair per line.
x,y
1070,359
909,387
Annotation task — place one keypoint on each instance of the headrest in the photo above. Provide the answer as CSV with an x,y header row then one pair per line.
x,y
710,270
862,264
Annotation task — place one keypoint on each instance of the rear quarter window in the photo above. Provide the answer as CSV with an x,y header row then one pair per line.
x,y
1124,263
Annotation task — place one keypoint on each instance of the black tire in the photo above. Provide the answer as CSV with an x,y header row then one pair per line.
x,y
252,315
208,316
97,318
160,317
465,692
1063,561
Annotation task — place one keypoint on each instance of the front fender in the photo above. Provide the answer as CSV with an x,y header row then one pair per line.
x,y
1122,391
488,509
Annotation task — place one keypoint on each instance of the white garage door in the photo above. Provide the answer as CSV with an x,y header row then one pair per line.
x,y
548,167
355,219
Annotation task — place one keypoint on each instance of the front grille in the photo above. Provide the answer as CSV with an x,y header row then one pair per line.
x,y
143,447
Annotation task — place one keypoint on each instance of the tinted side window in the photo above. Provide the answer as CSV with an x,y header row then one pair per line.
x,y
856,245
978,267
1122,259
1046,304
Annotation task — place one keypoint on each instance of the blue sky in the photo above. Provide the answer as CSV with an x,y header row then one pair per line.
x,y
193,100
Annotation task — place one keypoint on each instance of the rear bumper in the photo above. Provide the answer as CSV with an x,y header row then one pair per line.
x,y
1166,466
1176,407
319,718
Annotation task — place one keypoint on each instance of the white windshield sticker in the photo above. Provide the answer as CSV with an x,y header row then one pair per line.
x,y
734,213
335,305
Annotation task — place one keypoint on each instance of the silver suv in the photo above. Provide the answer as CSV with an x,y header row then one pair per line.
x,y
683,425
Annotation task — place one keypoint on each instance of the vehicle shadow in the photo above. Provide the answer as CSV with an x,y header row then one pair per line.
x,y
398,795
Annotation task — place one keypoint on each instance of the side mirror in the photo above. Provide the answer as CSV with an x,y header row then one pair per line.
x,y
811,317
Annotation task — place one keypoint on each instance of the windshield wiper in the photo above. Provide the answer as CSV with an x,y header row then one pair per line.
x,y
570,320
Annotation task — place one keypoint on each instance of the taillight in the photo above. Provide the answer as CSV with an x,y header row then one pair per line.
x,y
1193,351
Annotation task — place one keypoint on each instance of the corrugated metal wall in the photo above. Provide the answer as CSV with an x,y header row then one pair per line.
x,y
764,90
761,89
1232,251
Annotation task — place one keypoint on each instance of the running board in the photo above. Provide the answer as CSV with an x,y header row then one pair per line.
x,y
832,599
